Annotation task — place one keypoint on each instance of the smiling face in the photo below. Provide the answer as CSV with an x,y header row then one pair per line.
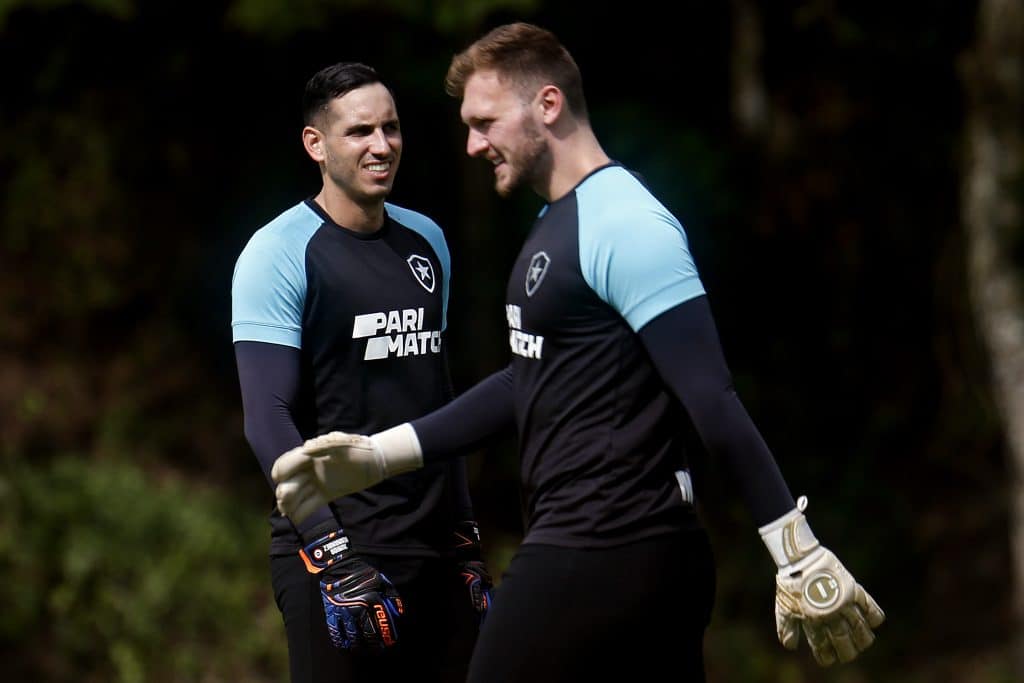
x,y
503,129
359,144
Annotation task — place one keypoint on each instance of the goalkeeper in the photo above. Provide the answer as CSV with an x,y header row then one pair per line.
x,y
386,584
614,351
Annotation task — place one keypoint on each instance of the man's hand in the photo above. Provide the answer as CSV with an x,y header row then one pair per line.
x,y
361,606
322,469
837,614
336,464
816,592
472,568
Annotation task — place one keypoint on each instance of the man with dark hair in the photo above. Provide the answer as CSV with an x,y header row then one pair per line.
x,y
614,349
339,311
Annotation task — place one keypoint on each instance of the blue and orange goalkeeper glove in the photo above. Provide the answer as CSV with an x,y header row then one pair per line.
x,y
471,566
361,605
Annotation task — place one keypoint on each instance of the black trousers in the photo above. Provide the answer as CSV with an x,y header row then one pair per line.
x,y
632,613
436,633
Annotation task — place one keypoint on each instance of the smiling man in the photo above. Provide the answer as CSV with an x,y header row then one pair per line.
x,y
338,317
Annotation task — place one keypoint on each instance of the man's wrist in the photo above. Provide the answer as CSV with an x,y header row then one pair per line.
x,y
466,540
318,531
789,538
326,550
399,448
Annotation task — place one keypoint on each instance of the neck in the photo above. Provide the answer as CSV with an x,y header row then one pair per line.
x,y
348,213
574,156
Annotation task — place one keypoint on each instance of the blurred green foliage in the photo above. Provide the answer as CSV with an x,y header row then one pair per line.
x,y
115,575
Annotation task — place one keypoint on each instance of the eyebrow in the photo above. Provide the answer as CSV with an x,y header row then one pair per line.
x,y
363,125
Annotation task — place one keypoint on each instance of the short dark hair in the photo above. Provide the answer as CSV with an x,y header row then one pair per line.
x,y
332,82
526,55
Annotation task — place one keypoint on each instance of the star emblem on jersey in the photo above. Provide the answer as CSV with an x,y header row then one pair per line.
x,y
535,273
422,271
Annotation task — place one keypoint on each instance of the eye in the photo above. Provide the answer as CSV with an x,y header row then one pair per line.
x,y
480,125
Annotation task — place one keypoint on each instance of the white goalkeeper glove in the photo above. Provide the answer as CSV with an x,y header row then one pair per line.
x,y
336,464
814,590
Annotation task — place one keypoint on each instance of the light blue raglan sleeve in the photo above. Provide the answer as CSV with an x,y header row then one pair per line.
x,y
633,252
432,232
268,287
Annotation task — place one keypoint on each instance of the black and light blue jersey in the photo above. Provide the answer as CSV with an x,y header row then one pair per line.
x,y
367,313
602,458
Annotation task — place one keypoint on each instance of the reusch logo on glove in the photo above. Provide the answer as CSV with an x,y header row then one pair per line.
x,y
384,624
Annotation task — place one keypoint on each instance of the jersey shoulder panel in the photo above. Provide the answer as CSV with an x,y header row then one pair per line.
x,y
431,231
634,252
268,286
426,227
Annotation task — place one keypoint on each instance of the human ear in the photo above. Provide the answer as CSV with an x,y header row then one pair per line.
x,y
313,142
550,100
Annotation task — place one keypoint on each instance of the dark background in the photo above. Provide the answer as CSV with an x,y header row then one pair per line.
x,y
141,144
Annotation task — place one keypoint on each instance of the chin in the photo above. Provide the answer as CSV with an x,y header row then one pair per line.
x,y
504,185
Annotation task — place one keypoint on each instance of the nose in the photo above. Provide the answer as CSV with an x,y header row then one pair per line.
x,y
379,142
476,144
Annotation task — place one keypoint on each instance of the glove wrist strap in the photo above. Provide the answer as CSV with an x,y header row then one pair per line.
x,y
466,536
326,551
399,448
789,538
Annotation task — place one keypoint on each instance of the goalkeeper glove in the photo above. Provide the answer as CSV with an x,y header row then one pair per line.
x,y
336,464
815,591
361,605
471,566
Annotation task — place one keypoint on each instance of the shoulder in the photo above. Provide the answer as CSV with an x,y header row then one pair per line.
x,y
424,226
633,251
291,228
287,235
276,252
614,203
414,220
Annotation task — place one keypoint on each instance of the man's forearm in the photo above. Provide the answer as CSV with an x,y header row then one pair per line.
x,y
477,416
268,375
684,346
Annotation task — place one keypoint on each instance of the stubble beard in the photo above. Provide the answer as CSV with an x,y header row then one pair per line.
x,y
527,164
358,192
